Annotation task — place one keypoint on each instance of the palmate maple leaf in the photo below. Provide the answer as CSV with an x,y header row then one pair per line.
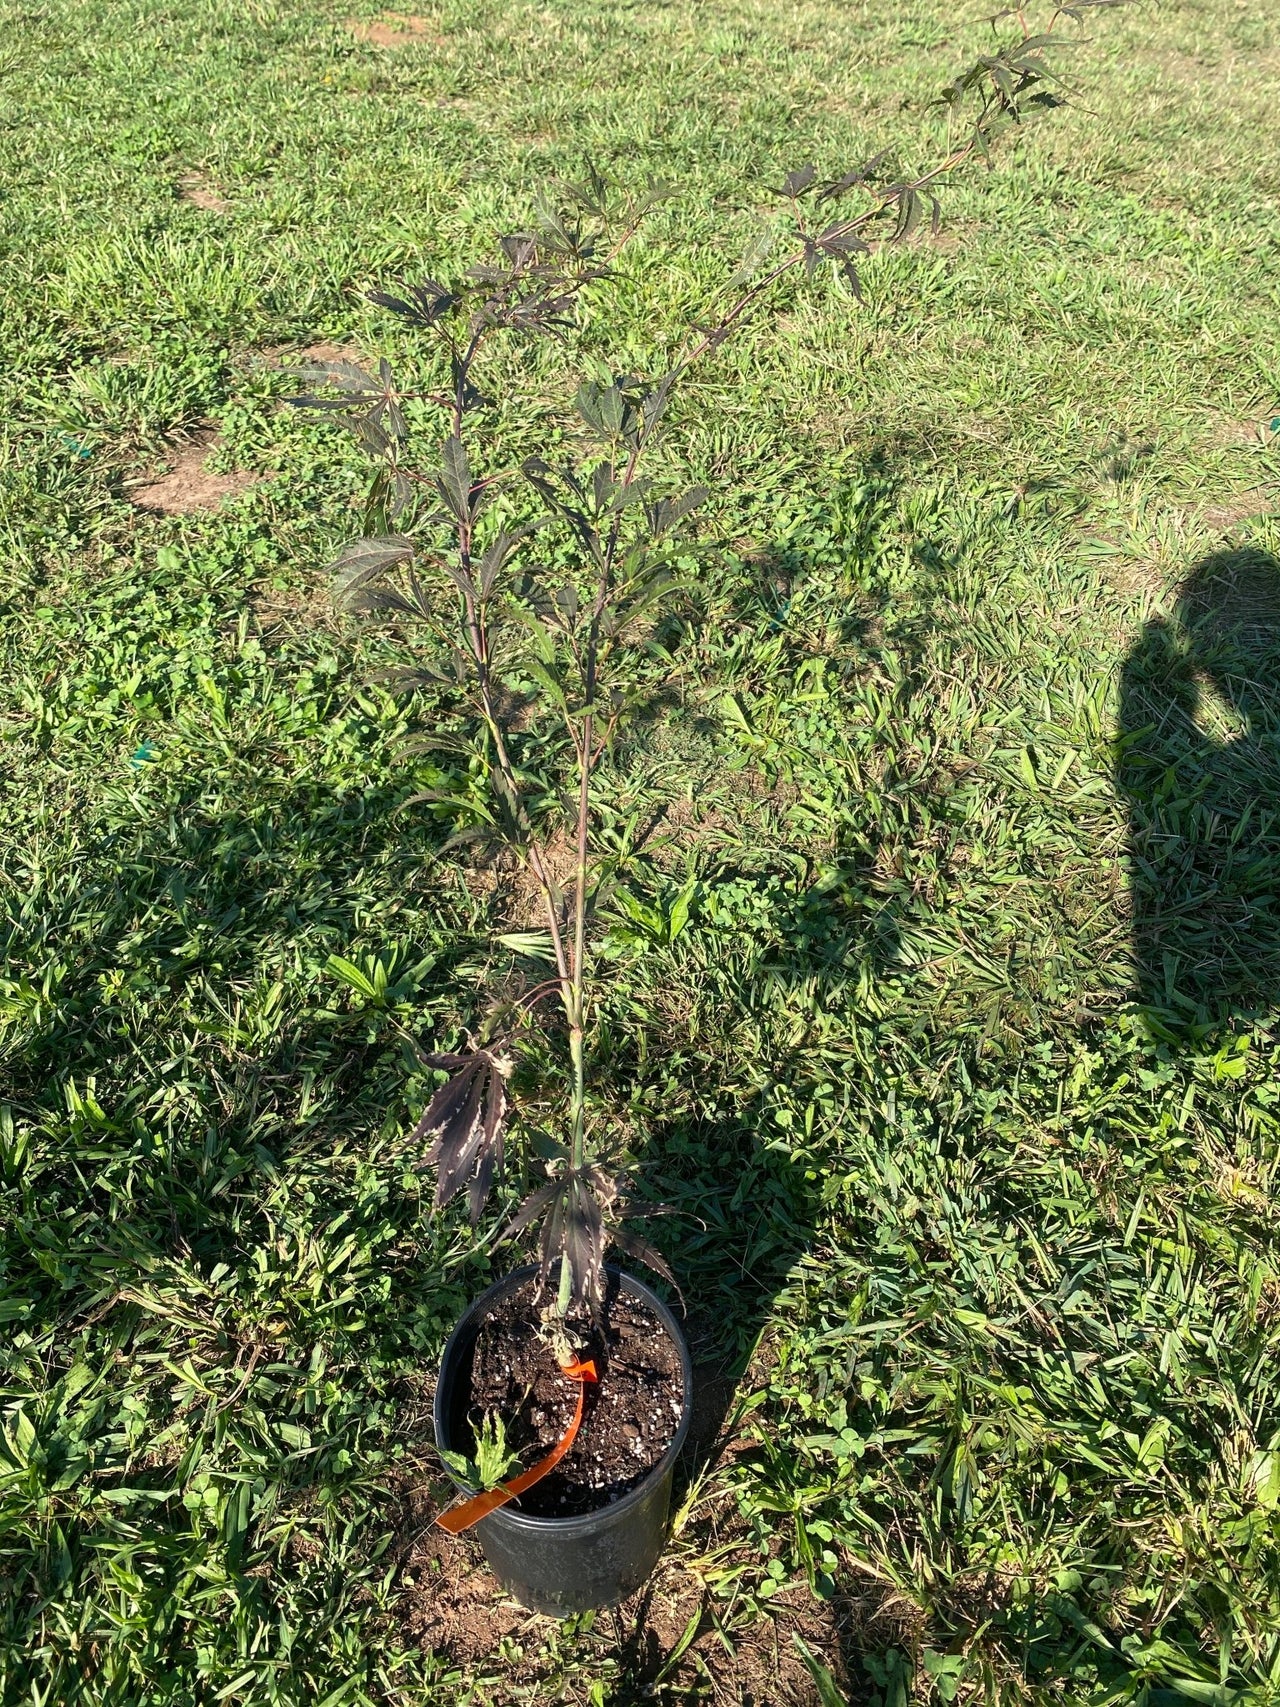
x,y
576,1206
466,1121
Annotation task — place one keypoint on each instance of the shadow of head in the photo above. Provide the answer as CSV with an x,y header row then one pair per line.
x,y
1198,765
1228,612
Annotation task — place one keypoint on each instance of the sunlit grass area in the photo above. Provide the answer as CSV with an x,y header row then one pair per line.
x,y
961,1077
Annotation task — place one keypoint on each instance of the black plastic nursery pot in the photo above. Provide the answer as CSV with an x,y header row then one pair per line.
x,y
563,1565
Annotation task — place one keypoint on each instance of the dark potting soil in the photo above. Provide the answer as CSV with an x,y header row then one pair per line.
x,y
629,1416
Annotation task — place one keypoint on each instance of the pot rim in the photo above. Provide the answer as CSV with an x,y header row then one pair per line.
x,y
606,1513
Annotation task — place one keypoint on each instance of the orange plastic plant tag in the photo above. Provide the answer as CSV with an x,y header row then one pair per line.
x,y
460,1517
576,1371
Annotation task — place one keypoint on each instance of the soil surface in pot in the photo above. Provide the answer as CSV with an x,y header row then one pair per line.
x,y
629,1416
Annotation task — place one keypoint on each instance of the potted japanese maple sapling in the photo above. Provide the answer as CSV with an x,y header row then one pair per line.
x,y
535,588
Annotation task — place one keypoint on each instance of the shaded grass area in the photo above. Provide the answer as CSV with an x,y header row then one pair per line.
x,y
962,1076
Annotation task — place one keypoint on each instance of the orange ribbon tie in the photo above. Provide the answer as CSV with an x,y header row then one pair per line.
x,y
460,1517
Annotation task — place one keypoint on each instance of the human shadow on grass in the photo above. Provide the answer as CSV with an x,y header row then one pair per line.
x,y
1199,767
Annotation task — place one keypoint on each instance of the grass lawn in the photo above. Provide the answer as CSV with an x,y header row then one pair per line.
x,y
963,1074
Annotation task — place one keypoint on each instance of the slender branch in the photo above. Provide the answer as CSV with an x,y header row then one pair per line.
x,y
477,632
584,822
752,295
462,376
578,962
478,639
539,993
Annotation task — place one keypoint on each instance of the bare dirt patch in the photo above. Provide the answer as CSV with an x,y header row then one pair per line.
x,y
1233,430
193,189
527,906
288,613
188,485
1137,578
452,1606
1225,516
313,354
1206,71
395,29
